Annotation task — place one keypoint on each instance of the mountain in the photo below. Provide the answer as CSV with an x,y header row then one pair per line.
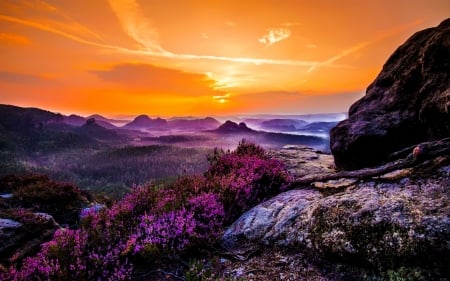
x,y
108,123
94,130
233,130
283,124
17,118
37,130
319,126
74,120
145,122
207,123
230,127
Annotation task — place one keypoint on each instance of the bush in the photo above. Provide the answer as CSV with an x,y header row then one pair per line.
x,y
152,222
40,194
246,177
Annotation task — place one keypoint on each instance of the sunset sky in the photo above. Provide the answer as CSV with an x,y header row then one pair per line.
x,y
202,57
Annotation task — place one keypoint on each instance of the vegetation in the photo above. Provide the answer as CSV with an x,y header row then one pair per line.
x,y
109,170
153,224
37,193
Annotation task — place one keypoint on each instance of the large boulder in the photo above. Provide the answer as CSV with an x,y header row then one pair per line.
x,y
408,103
399,219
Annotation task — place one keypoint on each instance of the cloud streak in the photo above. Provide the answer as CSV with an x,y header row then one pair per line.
x,y
364,44
274,35
147,78
136,25
20,78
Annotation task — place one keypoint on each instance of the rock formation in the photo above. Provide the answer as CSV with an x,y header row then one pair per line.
x,y
408,103
399,218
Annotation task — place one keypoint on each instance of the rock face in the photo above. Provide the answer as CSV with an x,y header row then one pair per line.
x,y
408,103
398,219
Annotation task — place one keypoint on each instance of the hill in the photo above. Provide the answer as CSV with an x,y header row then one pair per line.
x,y
145,122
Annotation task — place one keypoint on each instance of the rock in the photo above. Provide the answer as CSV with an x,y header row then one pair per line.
x,y
6,195
303,161
23,236
408,103
232,127
94,208
7,228
380,223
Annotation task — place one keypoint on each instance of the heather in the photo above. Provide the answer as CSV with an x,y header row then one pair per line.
x,y
171,223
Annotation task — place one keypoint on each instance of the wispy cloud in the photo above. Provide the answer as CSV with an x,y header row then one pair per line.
x,y
15,38
20,78
353,49
155,79
51,29
136,25
222,98
275,35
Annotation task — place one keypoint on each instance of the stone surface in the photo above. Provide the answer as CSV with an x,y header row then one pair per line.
x,y
408,103
23,237
400,219
302,161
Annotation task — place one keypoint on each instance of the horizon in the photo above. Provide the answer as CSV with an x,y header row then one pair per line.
x,y
190,58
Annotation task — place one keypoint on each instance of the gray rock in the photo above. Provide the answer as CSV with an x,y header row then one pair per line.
x,y
20,239
408,103
303,161
374,222
7,228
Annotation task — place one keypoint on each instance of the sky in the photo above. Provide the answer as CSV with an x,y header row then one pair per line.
x,y
200,57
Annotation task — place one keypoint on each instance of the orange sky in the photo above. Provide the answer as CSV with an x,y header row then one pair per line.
x,y
202,57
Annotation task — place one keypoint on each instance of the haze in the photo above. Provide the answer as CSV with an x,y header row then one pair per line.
x,y
199,57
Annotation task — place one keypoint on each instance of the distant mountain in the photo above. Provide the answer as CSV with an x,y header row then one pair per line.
x,y
33,129
17,118
145,122
207,123
319,126
74,120
233,130
283,124
94,130
107,122
230,127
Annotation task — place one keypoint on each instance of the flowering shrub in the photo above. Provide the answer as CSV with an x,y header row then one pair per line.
x,y
69,257
246,177
153,221
41,194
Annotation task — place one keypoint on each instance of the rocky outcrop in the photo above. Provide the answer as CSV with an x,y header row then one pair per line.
x,y
230,127
408,103
395,219
23,235
145,122
303,161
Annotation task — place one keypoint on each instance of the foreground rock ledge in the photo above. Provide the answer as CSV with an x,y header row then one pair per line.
x,y
400,218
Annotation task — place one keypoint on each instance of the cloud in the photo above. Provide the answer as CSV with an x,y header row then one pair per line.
x,y
222,98
275,35
295,102
355,48
136,25
14,38
52,29
147,78
20,78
